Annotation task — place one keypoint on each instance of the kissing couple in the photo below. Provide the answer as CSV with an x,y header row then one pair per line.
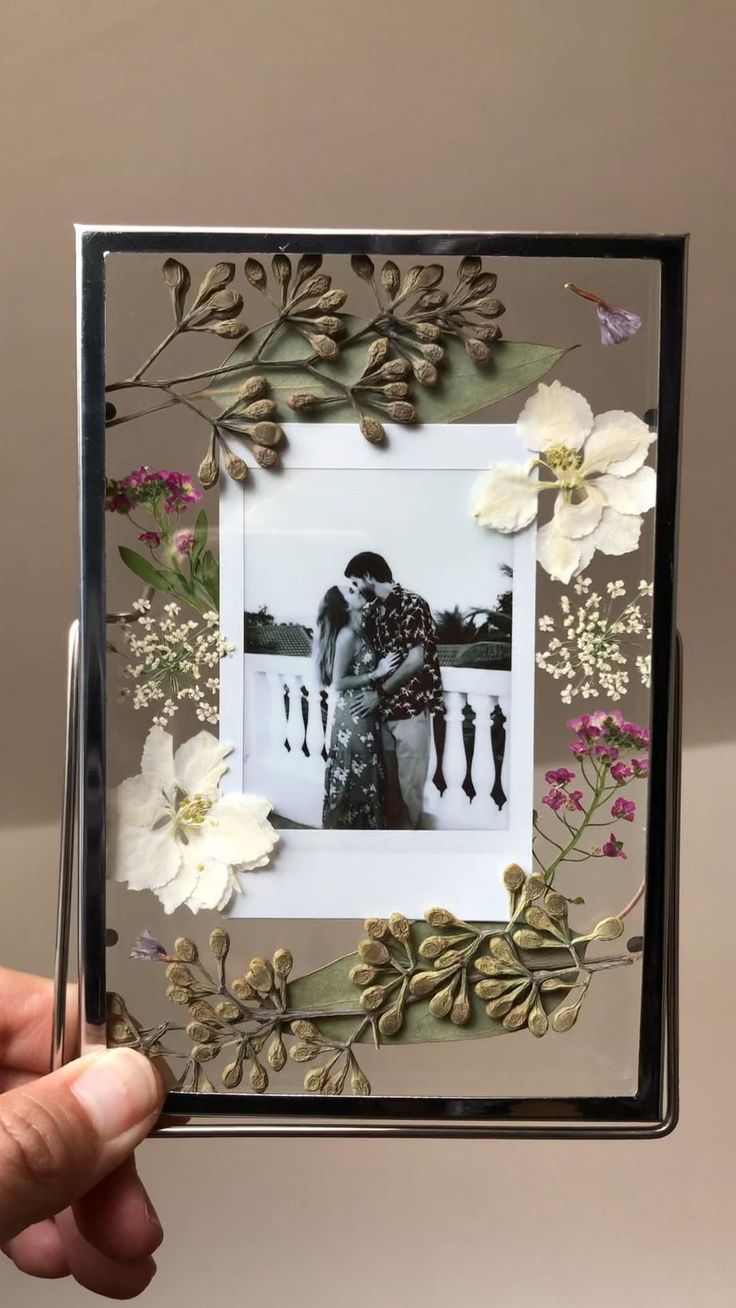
x,y
376,647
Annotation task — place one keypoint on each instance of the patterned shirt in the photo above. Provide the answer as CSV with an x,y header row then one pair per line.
x,y
397,625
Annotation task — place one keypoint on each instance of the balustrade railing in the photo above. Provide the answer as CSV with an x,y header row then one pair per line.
x,y
287,732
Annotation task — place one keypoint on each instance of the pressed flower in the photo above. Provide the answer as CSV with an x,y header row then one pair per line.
x,y
625,809
173,833
184,541
621,771
559,776
150,538
597,472
160,488
554,799
616,323
614,848
149,949
588,649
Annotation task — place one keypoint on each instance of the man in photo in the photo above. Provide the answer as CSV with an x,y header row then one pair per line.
x,y
398,622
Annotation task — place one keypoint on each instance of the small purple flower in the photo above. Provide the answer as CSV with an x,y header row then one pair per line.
x,y
616,323
150,538
614,848
624,809
575,800
117,498
559,776
621,771
148,948
184,541
640,766
555,798
579,748
607,751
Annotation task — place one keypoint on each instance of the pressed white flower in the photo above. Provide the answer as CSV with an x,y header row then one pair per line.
x,y
590,651
172,832
172,658
602,486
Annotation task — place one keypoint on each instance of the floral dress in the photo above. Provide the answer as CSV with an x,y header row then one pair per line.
x,y
354,777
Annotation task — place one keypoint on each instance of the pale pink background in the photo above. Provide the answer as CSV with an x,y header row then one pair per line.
x,y
467,114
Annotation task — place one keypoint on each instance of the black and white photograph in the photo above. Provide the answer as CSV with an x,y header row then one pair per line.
x,y
373,698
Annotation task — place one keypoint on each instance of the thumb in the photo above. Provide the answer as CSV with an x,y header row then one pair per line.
x,y
62,1134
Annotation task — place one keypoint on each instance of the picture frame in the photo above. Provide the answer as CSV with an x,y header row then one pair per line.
x,y
651,1108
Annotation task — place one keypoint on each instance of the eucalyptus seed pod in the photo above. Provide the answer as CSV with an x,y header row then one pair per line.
x,y
260,409
209,469
301,401
258,1077
228,1010
179,973
426,331
242,989
214,280
203,1012
432,946
558,983
492,966
492,989
484,284
232,1074
282,962
394,370
503,953
204,1053
498,1008
390,278
199,1033
527,939
260,975
359,1083
232,329
318,285
331,301
253,387
513,877
461,1010
477,349
327,324
307,266
555,904
276,1056
323,345
281,268
362,266
235,467
563,1019
373,997
176,277
469,268
390,1022
362,974
256,274
516,1017
304,1053
398,925
441,1003
425,372
449,958
375,927
265,457
396,390
440,917
373,431
178,995
423,983
541,921
538,1022
433,353
315,1079
534,886
219,944
223,304
373,951
305,1030
377,353
334,1084
267,433
487,331
433,299
610,928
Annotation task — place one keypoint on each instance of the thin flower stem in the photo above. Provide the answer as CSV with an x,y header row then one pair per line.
x,y
597,800
159,350
632,902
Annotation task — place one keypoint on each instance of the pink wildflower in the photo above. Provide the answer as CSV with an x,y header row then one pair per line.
x,y
184,541
555,798
150,538
574,800
559,776
621,771
640,766
614,848
624,809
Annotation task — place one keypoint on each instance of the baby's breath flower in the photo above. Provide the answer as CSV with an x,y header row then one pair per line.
x,y
167,659
586,650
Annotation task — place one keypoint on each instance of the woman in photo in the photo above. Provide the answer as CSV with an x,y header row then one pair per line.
x,y
348,663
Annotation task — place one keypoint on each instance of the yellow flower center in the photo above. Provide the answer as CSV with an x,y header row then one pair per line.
x,y
192,811
565,463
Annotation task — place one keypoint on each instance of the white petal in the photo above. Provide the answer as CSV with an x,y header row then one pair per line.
x,y
211,881
145,859
617,533
555,415
506,499
579,518
157,762
237,832
199,764
177,892
135,802
618,443
559,555
634,494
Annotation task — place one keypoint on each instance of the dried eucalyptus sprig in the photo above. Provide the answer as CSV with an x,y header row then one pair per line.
x,y
508,975
215,307
305,300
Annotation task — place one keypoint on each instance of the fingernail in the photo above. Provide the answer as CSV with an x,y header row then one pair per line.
x,y
118,1090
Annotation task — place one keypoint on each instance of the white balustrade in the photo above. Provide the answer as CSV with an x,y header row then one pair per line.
x,y
293,779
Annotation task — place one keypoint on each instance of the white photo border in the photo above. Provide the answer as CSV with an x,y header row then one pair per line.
x,y
347,874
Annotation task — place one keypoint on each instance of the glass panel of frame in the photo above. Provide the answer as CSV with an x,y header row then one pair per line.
x,y
377,718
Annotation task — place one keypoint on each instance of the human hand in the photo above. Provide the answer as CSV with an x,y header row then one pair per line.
x,y
387,664
366,702
71,1203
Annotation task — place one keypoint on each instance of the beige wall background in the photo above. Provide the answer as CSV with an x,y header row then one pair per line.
x,y
471,114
